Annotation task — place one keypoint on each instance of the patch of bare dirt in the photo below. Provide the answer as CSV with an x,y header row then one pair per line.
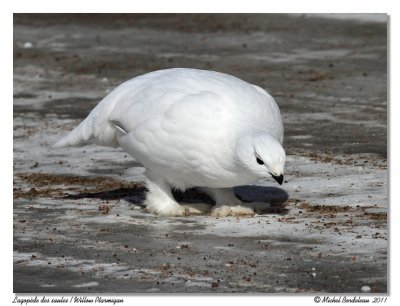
x,y
52,185
350,160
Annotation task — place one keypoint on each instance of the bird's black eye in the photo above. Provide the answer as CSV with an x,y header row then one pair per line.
x,y
259,161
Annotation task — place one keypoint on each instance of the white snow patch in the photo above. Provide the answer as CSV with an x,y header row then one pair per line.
x,y
84,285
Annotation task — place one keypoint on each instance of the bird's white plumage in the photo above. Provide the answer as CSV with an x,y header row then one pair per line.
x,y
189,128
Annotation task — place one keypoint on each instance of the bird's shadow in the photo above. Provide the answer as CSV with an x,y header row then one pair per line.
x,y
274,196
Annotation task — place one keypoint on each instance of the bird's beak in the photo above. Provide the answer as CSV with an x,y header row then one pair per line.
x,y
279,178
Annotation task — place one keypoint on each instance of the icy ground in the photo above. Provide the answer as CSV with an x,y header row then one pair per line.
x,y
79,225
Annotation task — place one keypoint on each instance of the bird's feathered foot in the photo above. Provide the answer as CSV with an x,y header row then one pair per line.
x,y
227,204
160,201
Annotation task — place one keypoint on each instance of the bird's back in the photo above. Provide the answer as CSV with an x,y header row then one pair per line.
x,y
194,92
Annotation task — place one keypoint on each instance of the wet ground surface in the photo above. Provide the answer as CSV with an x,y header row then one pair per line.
x,y
79,225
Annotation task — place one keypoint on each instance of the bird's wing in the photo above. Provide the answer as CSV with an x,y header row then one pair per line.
x,y
191,131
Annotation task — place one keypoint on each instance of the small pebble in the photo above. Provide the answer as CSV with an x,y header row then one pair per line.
x,y
214,285
104,209
28,45
365,289
313,274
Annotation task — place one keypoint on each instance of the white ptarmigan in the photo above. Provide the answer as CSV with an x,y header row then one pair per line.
x,y
191,128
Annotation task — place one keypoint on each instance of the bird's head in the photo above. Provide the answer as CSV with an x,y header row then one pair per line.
x,y
262,155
